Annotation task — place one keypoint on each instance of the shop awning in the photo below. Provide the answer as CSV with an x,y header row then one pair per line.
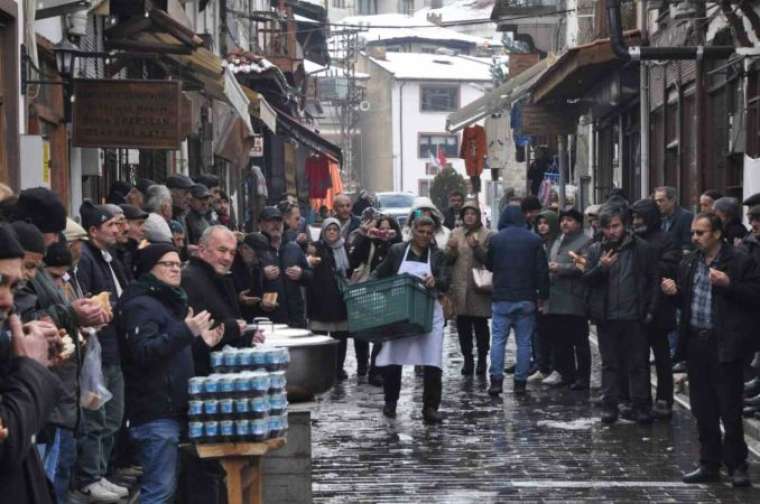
x,y
499,98
579,69
287,125
260,107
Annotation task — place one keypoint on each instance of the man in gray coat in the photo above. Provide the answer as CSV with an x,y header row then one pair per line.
x,y
565,310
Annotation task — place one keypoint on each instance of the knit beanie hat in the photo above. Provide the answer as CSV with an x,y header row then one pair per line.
x,y
148,257
29,237
58,255
43,208
10,248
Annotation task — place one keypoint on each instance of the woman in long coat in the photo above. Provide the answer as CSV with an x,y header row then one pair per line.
x,y
473,307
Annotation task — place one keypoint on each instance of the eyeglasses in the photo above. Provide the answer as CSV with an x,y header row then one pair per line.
x,y
170,264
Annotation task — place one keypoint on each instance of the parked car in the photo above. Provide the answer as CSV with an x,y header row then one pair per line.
x,y
396,204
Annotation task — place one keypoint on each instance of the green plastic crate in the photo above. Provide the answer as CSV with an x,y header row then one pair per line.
x,y
389,308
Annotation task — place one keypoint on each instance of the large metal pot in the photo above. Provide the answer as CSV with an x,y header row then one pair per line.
x,y
313,361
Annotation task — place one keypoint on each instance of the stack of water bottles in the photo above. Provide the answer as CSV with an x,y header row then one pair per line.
x,y
244,400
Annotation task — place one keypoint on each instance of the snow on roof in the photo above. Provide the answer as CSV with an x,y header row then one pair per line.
x,y
407,27
422,66
460,10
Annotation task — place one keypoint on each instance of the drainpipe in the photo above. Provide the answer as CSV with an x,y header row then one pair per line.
x,y
644,104
401,133
656,53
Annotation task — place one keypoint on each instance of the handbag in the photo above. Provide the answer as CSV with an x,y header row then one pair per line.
x,y
483,280
361,273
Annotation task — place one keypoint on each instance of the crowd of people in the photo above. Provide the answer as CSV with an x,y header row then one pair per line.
x,y
154,280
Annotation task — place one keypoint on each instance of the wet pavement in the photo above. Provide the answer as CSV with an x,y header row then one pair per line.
x,y
546,447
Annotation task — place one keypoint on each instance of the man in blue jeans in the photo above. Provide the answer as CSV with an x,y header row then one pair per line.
x,y
520,283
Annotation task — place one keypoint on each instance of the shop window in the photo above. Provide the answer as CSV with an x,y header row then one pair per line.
x,y
439,98
428,145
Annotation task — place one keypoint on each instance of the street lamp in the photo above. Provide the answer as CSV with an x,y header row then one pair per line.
x,y
66,58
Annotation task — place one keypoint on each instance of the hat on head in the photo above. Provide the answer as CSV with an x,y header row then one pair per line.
x,y
132,212
592,210
200,191
179,182
118,192
156,229
74,232
754,211
752,200
143,184
94,215
29,237
256,241
208,180
43,208
58,255
148,257
176,226
530,203
10,248
270,213
115,210
571,212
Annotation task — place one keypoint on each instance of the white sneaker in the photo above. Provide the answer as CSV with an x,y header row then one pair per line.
x,y
537,376
114,488
96,492
553,379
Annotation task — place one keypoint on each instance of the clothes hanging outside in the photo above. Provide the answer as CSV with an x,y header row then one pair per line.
x,y
496,135
474,149
318,174
335,189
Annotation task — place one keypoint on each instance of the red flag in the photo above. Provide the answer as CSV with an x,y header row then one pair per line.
x,y
441,157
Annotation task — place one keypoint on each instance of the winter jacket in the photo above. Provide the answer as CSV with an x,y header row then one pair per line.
x,y
751,245
395,257
734,231
568,291
126,256
94,277
28,393
680,228
324,299
461,261
157,350
628,289
517,259
291,308
249,278
207,290
668,254
474,149
196,223
734,307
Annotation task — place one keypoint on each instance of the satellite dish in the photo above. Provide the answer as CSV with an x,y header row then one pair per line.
x,y
364,106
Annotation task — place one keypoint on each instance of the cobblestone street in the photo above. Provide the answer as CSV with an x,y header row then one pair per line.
x,y
546,447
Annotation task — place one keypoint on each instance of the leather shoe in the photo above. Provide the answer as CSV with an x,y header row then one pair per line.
x,y
520,387
431,416
389,410
752,401
496,387
740,478
702,474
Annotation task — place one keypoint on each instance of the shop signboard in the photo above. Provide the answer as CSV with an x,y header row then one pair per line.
x,y
257,150
128,114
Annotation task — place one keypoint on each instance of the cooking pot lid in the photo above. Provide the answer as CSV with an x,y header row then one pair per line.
x,y
290,333
299,342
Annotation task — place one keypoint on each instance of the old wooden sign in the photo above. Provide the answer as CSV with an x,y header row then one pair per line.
x,y
128,114
547,120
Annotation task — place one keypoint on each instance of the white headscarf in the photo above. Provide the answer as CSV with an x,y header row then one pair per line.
x,y
338,247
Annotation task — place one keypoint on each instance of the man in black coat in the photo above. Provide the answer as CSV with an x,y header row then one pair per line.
x,y
28,391
646,224
718,291
209,286
622,274
285,271
98,271
675,220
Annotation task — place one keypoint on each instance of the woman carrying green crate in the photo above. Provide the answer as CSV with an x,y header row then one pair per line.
x,y
417,257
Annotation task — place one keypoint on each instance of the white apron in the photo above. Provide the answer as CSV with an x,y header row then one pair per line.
x,y
425,349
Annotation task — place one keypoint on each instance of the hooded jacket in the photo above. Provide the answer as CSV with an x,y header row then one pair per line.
x,y
442,233
668,253
461,261
553,219
568,292
517,259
